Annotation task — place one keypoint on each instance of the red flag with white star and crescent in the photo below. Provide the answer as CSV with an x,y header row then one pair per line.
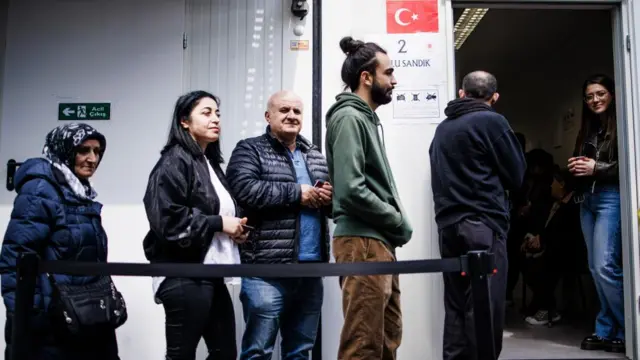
x,y
412,16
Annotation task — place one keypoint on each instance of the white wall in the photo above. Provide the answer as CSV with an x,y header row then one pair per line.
x,y
407,147
125,52
240,50
4,9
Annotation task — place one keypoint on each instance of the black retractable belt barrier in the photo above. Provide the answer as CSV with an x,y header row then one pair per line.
x,y
477,264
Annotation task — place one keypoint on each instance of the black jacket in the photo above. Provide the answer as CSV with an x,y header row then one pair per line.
x,y
561,237
475,159
182,207
598,146
263,181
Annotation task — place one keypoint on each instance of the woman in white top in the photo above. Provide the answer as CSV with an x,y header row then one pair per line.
x,y
194,219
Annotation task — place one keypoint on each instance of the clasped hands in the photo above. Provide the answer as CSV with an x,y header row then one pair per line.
x,y
316,197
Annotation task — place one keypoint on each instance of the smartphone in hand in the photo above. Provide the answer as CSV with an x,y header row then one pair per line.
x,y
247,228
319,184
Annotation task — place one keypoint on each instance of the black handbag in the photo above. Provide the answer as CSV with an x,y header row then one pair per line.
x,y
83,310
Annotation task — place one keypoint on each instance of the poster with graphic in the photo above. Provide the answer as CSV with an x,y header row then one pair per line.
x,y
419,58
411,104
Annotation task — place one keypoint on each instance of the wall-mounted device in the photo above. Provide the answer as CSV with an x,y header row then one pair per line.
x,y
299,8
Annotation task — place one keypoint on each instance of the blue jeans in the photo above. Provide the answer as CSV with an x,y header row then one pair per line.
x,y
292,306
600,219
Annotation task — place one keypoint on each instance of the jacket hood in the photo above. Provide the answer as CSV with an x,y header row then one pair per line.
x,y
41,168
458,107
346,99
33,168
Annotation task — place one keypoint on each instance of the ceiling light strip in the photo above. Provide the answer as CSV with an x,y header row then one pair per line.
x,y
466,24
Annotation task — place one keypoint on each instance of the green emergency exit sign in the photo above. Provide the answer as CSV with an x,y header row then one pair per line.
x,y
84,111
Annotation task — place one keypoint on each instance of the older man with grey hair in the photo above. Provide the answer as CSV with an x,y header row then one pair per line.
x,y
281,181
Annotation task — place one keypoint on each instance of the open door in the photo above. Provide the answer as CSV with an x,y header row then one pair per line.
x,y
626,42
626,24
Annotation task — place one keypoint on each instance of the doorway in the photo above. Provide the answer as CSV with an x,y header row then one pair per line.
x,y
541,57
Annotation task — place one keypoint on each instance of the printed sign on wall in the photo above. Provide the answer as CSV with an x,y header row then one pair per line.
x,y
419,58
419,62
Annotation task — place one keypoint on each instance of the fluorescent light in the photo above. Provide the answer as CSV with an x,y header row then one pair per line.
x,y
466,23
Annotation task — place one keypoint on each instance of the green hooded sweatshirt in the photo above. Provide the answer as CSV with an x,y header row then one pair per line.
x,y
365,198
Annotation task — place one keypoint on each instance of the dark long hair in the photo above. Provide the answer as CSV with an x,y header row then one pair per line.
x,y
178,135
589,118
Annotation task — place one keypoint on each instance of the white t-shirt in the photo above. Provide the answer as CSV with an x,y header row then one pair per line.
x,y
223,250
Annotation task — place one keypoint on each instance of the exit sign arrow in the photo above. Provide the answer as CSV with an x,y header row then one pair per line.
x,y
84,111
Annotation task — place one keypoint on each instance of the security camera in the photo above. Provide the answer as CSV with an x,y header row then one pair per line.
x,y
299,8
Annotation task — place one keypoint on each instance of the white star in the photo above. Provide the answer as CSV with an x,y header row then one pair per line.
x,y
414,17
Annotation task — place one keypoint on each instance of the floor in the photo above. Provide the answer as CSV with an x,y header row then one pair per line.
x,y
562,341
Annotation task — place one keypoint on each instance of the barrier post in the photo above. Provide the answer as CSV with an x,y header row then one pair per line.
x,y
27,272
480,266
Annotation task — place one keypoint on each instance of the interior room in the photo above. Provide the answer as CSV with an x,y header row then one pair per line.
x,y
541,58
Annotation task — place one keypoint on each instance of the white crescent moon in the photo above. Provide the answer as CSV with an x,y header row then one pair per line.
x,y
397,16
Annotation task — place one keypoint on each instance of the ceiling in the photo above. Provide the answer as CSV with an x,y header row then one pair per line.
x,y
513,39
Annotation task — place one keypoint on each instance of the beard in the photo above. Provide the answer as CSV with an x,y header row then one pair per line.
x,y
380,95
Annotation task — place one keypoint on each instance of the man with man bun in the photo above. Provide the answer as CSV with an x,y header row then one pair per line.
x,y
370,221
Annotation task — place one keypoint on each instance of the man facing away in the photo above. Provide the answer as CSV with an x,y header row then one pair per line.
x,y
475,159
272,177
370,221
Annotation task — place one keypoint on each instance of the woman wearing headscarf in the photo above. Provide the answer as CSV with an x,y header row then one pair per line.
x,y
56,217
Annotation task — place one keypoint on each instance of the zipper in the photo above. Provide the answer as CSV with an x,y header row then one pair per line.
x,y
593,185
388,174
296,240
102,235
323,254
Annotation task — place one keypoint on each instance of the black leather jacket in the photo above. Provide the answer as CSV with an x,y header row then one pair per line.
x,y
598,146
182,207
263,181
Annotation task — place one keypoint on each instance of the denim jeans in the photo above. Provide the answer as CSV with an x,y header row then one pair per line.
x,y
195,309
600,219
292,306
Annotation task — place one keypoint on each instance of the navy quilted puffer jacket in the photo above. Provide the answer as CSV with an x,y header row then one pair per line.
x,y
263,182
49,219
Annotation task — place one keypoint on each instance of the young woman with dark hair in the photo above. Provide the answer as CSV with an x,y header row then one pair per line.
x,y
595,166
194,219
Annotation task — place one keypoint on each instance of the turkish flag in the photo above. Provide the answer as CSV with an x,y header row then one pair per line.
x,y
412,16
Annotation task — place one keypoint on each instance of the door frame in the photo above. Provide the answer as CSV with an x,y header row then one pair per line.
x,y
628,132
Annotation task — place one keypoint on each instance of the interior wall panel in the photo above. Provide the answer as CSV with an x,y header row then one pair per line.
x,y
234,50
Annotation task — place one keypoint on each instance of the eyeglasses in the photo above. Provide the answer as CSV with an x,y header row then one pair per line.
x,y
597,96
